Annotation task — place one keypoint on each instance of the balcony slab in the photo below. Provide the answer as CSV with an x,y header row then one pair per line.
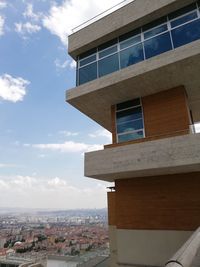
x,y
172,155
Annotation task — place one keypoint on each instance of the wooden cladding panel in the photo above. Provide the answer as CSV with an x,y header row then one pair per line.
x,y
169,202
111,208
166,112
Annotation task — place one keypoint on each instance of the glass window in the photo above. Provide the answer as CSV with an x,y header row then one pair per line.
x,y
88,73
108,65
155,31
87,60
131,55
129,115
182,11
154,24
186,33
130,41
108,44
130,136
88,53
129,35
157,45
108,51
184,19
128,104
130,126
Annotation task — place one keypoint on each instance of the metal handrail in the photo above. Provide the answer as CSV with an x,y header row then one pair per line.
x,y
101,15
186,254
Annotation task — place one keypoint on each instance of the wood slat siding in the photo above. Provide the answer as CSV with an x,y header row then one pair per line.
x,y
170,202
111,208
166,112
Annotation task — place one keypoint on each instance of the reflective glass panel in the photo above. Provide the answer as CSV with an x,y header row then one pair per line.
x,y
155,31
186,33
88,73
157,45
184,19
130,136
130,41
129,115
128,104
131,55
87,60
130,126
108,65
108,51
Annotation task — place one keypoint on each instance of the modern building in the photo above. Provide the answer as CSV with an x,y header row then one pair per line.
x,y
138,76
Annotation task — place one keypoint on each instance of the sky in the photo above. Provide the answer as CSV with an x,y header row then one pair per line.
x,y
42,138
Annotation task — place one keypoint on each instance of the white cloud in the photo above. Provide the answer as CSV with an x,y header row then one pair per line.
x,y
40,192
68,133
26,28
63,18
3,4
12,89
30,14
101,133
1,25
68,147
65,64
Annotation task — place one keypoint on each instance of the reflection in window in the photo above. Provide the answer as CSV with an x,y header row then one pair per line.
x,y
157,45
88,73
131,56
186,33
129,120
108,64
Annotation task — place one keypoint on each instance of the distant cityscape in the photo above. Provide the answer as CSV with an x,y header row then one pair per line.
x,y
60,233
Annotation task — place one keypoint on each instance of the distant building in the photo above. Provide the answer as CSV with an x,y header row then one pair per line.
x,y
138,76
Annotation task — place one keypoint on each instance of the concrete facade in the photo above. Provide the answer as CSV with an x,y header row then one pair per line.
x,y
159,157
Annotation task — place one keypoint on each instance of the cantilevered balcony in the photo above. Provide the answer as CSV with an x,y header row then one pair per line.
x,y
159,157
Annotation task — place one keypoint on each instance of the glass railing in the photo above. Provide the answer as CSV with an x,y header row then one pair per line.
x,y
170,32
101,15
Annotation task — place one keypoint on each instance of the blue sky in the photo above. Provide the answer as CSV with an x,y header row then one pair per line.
x,y
42,138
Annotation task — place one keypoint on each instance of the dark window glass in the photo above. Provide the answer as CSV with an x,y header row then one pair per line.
x,y
184,19
129,34
87,60
108,65
88,73
131,55
130,41
182,11
154,24
155,31
107,44
88,53
128,104
130,136
157,45
129,115
186,33
108,51
130,126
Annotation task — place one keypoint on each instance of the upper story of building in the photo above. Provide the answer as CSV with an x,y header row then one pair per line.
x,y
140,49
138,77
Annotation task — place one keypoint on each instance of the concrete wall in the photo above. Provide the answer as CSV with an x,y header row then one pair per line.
x,y
165,156
131,16
145,247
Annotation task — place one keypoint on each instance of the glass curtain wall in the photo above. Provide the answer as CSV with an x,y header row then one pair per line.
x,y
178,28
